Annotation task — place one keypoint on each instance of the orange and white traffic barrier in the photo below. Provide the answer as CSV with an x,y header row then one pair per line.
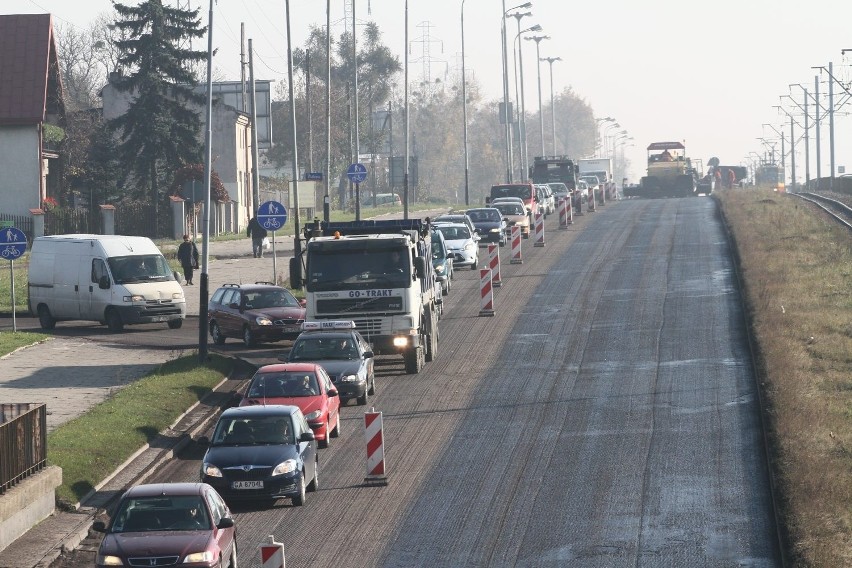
x,y
487,292
591,203
516,246
569,210
560,206
374,434
539,230
494,265
272,554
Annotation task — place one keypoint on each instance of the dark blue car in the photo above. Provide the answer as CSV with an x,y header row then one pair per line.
x,y
489,224
261,452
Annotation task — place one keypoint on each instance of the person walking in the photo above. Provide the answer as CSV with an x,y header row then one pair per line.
x,y
257,234
187,255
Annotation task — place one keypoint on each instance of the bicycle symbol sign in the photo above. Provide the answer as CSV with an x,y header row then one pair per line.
x,y
13,243
271,215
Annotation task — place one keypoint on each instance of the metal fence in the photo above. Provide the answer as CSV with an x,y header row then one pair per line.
x,y
24,223
64,221
139,219
23,442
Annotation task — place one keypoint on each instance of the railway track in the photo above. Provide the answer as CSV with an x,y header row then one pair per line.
x,y
840,212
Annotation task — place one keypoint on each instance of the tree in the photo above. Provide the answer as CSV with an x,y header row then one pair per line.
x,y
159,132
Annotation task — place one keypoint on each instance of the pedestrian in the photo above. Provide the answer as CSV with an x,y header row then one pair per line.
x,y
717,177
187,255
257,234
732,178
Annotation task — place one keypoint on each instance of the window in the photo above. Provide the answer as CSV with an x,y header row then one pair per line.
x,y
99,269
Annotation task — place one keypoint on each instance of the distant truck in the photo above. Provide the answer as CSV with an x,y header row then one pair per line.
x,y
600,168
670,173
550,169
378,274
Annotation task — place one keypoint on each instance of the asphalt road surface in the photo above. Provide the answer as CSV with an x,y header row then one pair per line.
x,y
605,417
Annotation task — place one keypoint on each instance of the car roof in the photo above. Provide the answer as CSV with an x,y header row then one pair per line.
x,y
260,410
439,224
330,333
255,286
165,489
482,209
284,367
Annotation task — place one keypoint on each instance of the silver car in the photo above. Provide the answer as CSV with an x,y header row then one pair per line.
x,y
461,242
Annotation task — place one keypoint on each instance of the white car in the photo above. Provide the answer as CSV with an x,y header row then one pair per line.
x,y
461,242
545,199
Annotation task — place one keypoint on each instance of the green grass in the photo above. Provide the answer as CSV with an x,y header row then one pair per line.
x,y
21,292
91,447
9,341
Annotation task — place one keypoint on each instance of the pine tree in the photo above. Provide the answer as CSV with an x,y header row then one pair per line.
x,y
159,132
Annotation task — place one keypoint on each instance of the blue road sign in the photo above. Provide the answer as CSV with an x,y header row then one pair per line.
x,y
313,176
271,215
13,243
357,173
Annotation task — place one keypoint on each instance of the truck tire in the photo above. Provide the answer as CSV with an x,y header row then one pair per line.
x,y
45,320
113,321
432,338
414,360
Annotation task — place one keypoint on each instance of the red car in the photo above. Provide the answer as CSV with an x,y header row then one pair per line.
x,y
306,385
169,524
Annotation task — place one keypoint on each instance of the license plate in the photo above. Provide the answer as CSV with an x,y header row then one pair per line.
x,y
159,318
292,328
247,485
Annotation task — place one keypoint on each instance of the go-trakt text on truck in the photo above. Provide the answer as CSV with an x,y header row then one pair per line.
x,y
379,275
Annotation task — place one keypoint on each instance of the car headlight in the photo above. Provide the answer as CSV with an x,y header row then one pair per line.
x,y
263,320
134,298
108,560
470,246
286,466
211,470
177,295
313,415
351,379
495,230
400,341
439,269
196,557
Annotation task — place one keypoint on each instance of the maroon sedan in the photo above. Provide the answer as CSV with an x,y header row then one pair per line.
x,y
254,313
185,524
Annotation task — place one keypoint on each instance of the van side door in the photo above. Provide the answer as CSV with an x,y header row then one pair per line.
x,y
95,299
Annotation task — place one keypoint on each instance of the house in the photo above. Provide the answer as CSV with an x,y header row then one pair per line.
x,y
31,114
231,148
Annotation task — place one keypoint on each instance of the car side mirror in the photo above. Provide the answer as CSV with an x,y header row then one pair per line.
x,y
307,437
103,282
332,392
99,526
368,355
420,267
303,302
225,523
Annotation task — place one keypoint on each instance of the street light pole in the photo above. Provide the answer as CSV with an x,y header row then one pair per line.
x,y
537,39
407,138
524,151
326,202
357,125
464,116
550,60
205,229
297,243
507,114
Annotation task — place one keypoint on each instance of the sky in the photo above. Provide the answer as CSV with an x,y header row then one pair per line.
x,y
708,74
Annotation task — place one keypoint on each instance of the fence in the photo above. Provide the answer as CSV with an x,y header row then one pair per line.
x,y
23,442
19,222
64,221
139,219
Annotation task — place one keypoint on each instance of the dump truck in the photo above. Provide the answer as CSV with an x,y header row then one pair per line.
x,y
670,173
378,274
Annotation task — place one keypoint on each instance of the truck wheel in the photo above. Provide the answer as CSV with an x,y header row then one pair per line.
x,y
175,324
432,339
45,320
113,321
414,360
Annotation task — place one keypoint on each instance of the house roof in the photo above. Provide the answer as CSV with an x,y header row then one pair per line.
x,y
31,86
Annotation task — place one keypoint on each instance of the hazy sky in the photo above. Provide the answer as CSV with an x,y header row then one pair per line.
x,y
707,73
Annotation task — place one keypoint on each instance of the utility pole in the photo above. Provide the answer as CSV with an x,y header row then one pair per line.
x,y
255,153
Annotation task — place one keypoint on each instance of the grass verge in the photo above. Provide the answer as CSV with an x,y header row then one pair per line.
x,y
9,341
797,271
21,293
91,447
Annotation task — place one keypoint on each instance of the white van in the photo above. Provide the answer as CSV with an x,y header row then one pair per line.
x,y
112,279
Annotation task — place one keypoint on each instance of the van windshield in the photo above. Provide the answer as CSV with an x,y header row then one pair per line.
x,y
140,268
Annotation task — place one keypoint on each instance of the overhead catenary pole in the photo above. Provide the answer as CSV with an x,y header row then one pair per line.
x,y
818,120
831,122
326,202
297,243
208,155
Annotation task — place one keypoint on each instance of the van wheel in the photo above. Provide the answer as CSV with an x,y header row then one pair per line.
x,y
45,320
175,324
113,321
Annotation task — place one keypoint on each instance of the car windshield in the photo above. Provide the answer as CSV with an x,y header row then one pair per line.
x,y
510,208
283,384
161,513
255,431
484,215
271,298
522,191
322,348
140,268
455,233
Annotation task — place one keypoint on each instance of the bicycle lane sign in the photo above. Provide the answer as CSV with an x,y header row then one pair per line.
x,y
271,215
13,243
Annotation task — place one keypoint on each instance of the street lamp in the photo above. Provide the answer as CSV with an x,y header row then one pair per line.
x,y
464,116
297,243
205,219
606,129
552,107
537,39
518,96
506,113
598,122
523,110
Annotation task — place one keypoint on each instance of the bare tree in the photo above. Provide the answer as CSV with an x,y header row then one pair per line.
x,y
82,74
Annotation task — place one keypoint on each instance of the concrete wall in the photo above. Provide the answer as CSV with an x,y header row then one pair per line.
x,y
20,170
28,503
